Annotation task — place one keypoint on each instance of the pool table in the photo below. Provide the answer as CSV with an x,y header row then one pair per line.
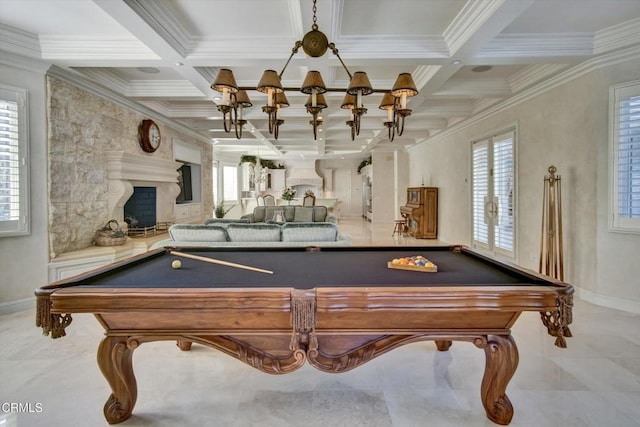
x,y
335,308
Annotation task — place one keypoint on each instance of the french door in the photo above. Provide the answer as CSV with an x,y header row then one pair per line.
x,y
493,193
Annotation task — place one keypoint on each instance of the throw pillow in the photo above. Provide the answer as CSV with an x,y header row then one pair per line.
x,y
303,214
277,216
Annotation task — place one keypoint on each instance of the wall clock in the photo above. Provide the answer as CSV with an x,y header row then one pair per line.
x,y
149,136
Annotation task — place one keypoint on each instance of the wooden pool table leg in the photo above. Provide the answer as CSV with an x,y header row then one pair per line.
x,y
501,363
115,356
184,345
443,345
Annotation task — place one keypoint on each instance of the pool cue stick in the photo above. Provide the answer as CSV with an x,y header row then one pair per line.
x,y
560,250
551,230
544,225
217,261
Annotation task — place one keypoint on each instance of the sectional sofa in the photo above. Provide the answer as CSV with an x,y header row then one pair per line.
x,y
255,234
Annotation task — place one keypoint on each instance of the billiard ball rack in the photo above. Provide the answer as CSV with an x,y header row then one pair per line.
x,y
422,269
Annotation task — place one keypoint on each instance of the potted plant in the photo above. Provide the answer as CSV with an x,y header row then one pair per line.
x,y
288,194
220,211
364,163
248,159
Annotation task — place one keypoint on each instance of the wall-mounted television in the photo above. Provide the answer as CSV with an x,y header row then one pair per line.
x,y
189,182
184,181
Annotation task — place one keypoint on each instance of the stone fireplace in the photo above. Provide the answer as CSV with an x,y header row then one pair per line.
x,y
126,171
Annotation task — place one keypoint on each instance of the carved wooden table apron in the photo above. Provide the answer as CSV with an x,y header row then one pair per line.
x,y
334,329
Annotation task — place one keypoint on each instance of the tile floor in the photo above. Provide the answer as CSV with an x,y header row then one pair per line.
x,y
594,382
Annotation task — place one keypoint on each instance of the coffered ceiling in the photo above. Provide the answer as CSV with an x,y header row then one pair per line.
x,y
465,57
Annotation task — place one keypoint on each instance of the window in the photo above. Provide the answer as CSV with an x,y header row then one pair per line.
x,y
14,172
493,179
229,183
625,157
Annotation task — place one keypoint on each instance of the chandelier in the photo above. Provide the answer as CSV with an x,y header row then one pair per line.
x,y
259,173
314,44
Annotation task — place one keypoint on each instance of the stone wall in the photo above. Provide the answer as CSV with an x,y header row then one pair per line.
x,y
81,127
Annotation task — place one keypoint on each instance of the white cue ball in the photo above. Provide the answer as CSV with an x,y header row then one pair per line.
x,y
176,264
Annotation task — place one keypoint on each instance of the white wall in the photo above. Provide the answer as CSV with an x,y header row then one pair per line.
x,y
401,179
566,126
390,182
339,186
23,260
382,187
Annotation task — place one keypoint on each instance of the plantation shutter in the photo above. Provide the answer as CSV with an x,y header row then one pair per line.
x,y
9,161
493,177
480,182
14,197
628,161
503,191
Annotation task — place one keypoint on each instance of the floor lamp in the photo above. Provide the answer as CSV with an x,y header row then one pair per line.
x,y
551,261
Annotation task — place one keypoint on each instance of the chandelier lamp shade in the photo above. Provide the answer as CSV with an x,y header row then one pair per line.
x,y
314,44
395,102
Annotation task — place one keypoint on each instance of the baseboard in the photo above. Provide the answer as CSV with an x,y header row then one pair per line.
x,y
17,305
609,302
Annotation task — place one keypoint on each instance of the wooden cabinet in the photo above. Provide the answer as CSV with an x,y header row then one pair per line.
x,y
275,181
188,213
421,212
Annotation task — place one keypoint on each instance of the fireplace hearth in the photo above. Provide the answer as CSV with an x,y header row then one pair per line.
x,y
140,209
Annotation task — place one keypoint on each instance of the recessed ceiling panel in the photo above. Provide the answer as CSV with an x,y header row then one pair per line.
x,y
234,18
398,17
60,18
573,16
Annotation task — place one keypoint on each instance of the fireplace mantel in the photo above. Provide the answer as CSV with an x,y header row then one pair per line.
x,y
135,167
126,170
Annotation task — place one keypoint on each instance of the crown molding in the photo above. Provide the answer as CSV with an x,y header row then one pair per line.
x,y
447,107
337,9
468,21
206,108
106,93
68,48
573,73
163,88
19,42
164,22
617,36
536,45
105,77
207,73
423,73
484,103
533,74
295,16
141,88
433,123
23,62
